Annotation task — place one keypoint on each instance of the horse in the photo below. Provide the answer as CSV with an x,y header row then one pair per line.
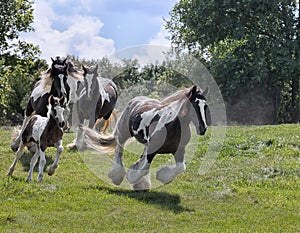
x,y
44,132
162,126
53,82
97,101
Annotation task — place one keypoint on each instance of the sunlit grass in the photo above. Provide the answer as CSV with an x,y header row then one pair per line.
x,y
253,186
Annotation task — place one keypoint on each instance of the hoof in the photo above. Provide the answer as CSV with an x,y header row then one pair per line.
x,y
28,180
52,170
14,147
143,184
9,173
40,178
133,176
165,175
72,146
117,175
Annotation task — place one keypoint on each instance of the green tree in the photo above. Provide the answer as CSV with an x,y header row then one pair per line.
x,y
249,45
19,62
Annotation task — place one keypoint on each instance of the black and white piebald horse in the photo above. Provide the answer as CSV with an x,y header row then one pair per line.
x,y
161,126
53,82
44,132
97,101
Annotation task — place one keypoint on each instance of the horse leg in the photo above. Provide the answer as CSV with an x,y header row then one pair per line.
x,y
143,184
140,168
59,150
32,164
15,144
42,164
167,173
19,153
117,172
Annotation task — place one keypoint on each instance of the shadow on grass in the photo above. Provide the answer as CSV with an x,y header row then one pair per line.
x,y
25,161
162,199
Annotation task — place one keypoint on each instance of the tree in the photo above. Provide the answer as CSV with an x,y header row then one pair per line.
x,y
19,62
252,45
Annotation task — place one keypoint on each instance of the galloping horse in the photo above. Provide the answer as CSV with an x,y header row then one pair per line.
x,y
161,126
97,101
44,132
53,82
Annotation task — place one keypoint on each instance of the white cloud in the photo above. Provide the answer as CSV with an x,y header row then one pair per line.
x,y
80,36
161,38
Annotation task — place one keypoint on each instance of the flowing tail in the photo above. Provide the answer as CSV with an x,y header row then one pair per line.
x,y
99,142
107,123
30,146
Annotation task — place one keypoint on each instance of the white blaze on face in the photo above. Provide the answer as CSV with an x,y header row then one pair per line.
x,y
62,86
88,79
59,113
201,104
73,88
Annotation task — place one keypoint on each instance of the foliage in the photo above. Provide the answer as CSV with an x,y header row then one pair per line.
x,y
253,186
20,65
248,44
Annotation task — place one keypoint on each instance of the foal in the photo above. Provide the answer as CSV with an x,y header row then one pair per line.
x,y
44,132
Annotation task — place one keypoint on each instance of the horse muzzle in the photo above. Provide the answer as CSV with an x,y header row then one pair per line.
x,y
201,130
61,124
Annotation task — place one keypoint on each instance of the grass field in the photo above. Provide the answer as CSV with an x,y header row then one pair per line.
x,y
254,186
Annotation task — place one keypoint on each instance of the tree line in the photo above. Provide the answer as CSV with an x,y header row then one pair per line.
x,y
251,48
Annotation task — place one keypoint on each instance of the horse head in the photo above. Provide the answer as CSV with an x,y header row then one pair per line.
x,y
199,110
59,75
90,81
57,106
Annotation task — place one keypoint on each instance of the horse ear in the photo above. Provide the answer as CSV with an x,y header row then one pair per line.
x,y
52,59
64,61
51,100
205,92
84,70
96,68
66,68
192,91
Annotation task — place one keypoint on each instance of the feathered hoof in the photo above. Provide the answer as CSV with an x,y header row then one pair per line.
x,y
165,174
72,146
117,175
143,184
133,176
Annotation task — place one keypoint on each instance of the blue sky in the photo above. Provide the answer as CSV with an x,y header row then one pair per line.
x,y
93,29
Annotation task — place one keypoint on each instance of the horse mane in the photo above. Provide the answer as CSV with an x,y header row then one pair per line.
x,y
45,82
178,95
78,75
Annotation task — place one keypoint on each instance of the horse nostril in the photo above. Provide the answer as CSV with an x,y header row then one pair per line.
x,y
61,124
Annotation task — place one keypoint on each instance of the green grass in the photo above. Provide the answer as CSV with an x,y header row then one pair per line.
x,y
254,186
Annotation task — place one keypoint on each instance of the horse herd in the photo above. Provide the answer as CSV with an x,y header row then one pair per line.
x,y
161,126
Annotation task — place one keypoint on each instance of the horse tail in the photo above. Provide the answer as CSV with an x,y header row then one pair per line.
x,y
99,142
15,133
98,124
107,122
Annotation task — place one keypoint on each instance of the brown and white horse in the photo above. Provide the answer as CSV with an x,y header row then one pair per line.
x,y
97,101
161,126
55,81
44,132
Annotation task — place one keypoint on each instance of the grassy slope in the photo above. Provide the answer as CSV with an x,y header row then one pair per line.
x,y
254,186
